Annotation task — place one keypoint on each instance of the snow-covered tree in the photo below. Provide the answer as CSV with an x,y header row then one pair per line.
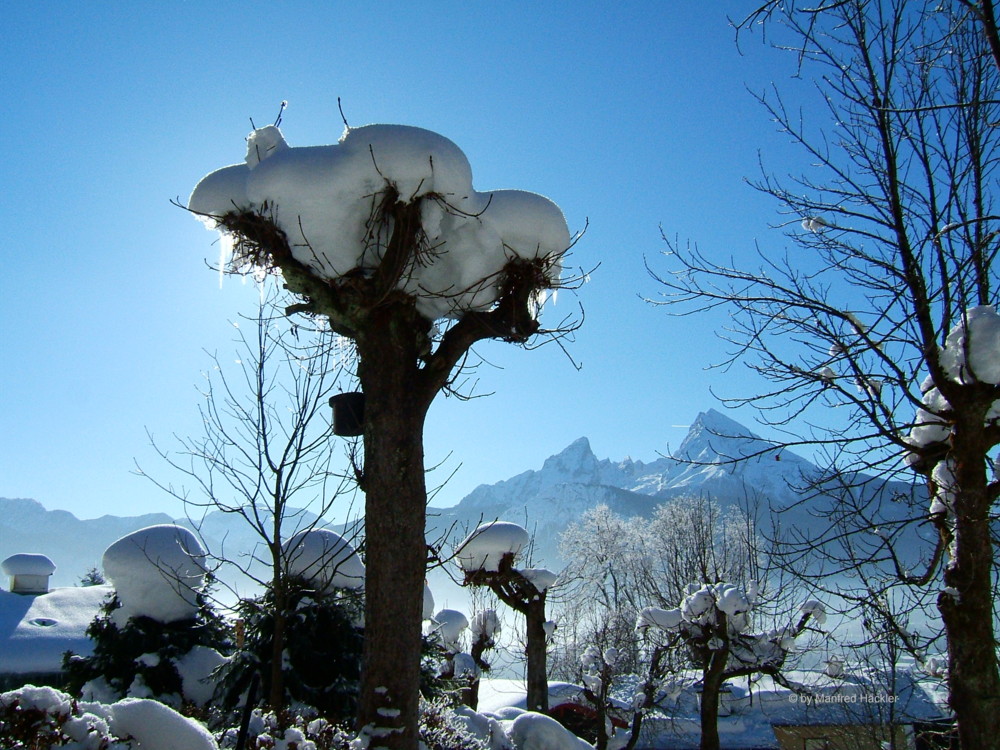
x,y
713,624
159,635
876,333
487,558
384,236
617,566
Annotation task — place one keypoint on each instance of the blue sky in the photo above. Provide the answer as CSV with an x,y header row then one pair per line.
x,y
629,115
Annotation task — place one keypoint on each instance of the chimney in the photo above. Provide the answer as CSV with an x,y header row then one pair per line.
x,y
29,573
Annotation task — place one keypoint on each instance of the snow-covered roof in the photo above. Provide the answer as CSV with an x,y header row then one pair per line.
x,y
35,631
28,564
321,197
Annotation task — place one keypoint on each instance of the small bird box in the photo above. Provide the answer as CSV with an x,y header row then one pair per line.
x,y
348,414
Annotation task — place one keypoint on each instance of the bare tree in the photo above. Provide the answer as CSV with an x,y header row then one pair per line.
x,y
266,453
876,313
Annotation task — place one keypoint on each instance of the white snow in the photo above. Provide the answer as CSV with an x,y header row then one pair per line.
x,y
485,623
322,197
943,477
531,731
485,547
972,349
35,631
541,578
665,619
157,727
929,424
428,607
195,669
449,624
325,560
814,608
157,572
28,564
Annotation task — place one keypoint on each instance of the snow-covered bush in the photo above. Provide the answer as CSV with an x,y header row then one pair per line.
x,y
441,728
289,731
321,661
324,560
41,718
144,657
157,572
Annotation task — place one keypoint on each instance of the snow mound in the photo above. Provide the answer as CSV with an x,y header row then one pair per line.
x,y
541,578
485,624
485,547
666,619
450,624
323,198
156,726
196,669
531,731
325,560
157,572
428,607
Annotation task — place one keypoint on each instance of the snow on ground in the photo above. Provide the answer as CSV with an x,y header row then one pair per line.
x,y
323,198
155,726
157,572
35,630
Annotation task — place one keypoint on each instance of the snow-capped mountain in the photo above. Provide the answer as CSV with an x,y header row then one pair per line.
x,y
543,500
719,458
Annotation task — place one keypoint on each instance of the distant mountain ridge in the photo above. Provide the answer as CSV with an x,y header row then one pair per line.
x,y
574,480
544,500
73,545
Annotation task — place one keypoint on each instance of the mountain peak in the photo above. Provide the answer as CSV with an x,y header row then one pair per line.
x,y
575,463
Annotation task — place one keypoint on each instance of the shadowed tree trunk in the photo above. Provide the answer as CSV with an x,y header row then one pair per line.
x,y
395,497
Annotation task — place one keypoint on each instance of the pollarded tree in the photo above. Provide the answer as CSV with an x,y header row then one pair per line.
x,y
712,623
487,558
885,312
382,235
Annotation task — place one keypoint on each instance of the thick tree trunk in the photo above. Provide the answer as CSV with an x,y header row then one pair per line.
x,y
712,679
395,499
535,651
967,605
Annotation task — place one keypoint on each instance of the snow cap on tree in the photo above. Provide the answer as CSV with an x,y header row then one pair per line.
x,y
485,624
321,197
485,547
428,607
541,578
972,350
157,572
324,560
449,626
